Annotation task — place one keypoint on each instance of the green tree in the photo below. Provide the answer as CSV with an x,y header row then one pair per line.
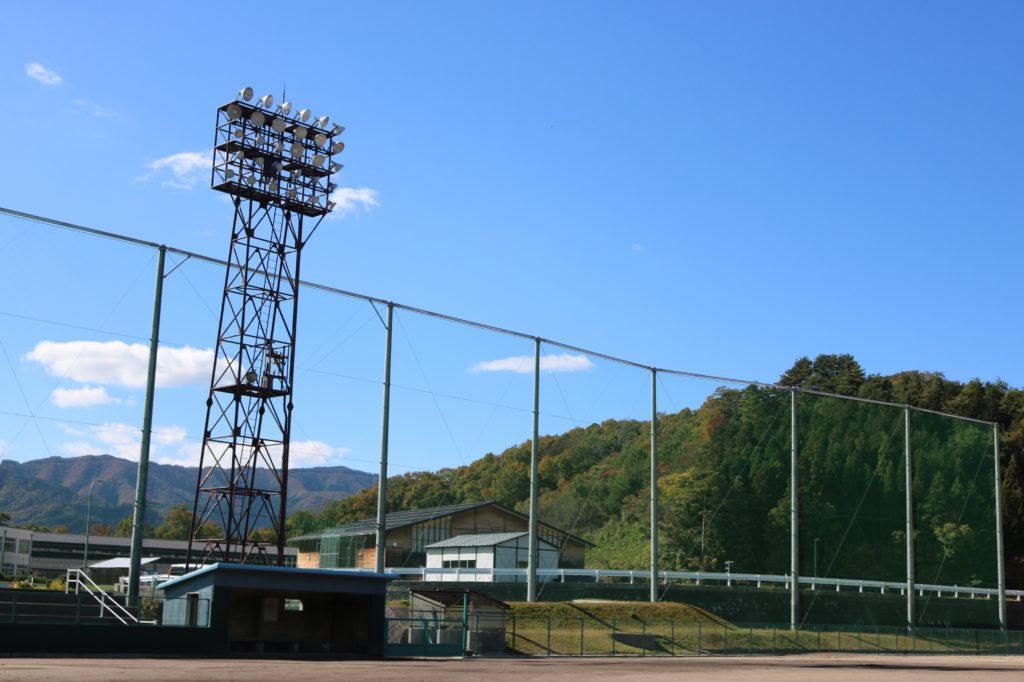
x,y
177,525
124,527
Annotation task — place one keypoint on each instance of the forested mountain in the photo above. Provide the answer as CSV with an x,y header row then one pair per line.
x,y
724,480
54,491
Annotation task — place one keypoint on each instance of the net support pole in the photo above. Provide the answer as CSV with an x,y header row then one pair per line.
x,y
531,565
1000,567
909,480
794,520
654,485
142,477
382,478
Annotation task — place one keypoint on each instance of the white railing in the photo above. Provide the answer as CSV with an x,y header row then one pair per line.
x,y
108,604
697,577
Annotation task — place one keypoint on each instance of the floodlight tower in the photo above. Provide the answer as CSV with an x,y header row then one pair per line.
x,y
276,166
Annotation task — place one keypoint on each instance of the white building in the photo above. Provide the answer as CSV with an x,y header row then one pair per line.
x,y
465,553
15,551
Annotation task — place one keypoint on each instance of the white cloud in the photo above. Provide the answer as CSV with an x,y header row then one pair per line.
x,y
303,453
351,199
93,108
86,396
637,248
312,453
37,71
181,171
124,440
3,447
171,445
523,364
115,363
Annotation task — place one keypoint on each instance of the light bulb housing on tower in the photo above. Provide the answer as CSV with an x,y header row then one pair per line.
x,y
261,154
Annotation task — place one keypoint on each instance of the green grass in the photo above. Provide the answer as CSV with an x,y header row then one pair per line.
x,y
598,628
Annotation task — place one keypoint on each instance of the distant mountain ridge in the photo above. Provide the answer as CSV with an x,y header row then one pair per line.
x,y
54,491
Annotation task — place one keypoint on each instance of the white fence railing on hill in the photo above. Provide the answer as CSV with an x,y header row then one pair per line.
x,y
697,578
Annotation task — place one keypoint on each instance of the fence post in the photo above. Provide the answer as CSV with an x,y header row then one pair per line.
x,y
1000,568
514,643
909,479
14,605
794,520
380,545
750,639
142,476
643,636
672,646
700,629
654,485
549,635
581,636
531,563
613,636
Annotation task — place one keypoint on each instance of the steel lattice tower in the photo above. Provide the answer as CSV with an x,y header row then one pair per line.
x,y
277,170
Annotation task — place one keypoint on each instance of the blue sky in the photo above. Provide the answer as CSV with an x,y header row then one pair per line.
x,y
715,187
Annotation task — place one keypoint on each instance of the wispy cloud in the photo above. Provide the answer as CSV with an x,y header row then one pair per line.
x,y
181,171
38,72
637,248
123,440
523,364
351,199
88,105
86,396
115,363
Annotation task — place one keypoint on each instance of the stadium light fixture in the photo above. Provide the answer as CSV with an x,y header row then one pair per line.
x,y
274,156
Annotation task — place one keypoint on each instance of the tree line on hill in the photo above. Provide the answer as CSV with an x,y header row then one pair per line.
x,y
724,480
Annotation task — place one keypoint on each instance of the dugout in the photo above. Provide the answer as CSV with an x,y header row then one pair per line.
x,y
483,616
272,609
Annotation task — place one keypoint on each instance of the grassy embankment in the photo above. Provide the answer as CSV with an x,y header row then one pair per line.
x,y
603,628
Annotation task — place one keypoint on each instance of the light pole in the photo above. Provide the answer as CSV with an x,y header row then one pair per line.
x,y
88,522
276,165
816,541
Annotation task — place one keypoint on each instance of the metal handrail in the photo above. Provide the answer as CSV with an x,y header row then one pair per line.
x,y
107,603
700,576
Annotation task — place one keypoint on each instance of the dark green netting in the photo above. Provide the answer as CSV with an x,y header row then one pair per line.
x,y
851,484
954,504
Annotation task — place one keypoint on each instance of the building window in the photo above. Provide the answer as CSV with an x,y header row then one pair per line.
x,y
429,532
458,563
292,604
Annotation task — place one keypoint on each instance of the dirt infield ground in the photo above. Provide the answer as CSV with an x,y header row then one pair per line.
x,y
830,667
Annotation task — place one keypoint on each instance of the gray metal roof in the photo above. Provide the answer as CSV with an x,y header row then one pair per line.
x,y
481,540
393,520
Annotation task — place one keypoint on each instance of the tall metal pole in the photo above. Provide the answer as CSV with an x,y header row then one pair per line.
x,y
142,477
1001,569
531,565
654,484
794,520
88,522
382,479
909,476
